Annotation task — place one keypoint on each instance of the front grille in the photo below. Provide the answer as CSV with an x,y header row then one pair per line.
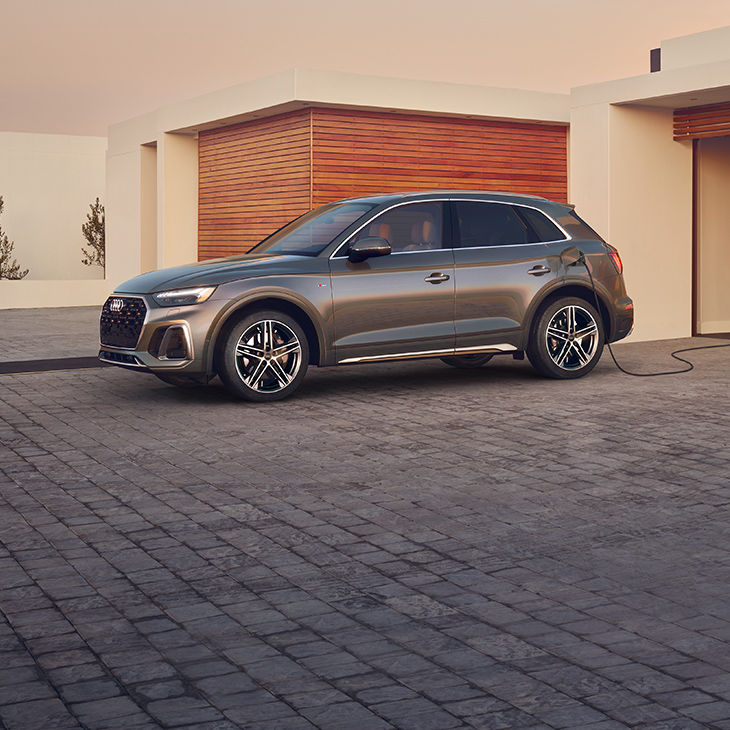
x,y
122,328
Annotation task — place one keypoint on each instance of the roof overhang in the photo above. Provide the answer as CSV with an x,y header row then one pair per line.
x,y
301,88
670,89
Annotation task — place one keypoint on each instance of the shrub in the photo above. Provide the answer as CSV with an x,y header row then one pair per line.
x,y
93,231
9,268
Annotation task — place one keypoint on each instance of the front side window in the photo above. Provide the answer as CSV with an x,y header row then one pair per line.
x,y
489,224
412,227
310,234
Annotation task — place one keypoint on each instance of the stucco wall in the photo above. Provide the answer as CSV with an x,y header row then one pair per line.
x,y
650,205
633,184
47,182
710,46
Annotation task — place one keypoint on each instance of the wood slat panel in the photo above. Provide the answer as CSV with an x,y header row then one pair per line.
x,y
252,178
365,152
255,176
702,121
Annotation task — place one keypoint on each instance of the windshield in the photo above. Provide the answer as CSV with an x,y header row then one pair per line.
x,y
310,234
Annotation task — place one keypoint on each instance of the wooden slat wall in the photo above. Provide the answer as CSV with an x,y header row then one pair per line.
x,y
253,178
256,176
702,121
364,152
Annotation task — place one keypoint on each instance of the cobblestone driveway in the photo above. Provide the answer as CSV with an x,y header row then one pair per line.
x,y
402,545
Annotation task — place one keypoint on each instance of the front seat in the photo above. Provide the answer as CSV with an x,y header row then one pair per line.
x,y
423,236
380,230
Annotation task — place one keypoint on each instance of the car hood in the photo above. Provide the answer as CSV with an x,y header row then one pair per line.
x,y
218,271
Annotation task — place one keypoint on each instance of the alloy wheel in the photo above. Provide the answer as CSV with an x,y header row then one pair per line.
x,y
572,337
268,356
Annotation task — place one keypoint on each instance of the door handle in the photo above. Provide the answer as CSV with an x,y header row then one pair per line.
x,y
437,277
539,270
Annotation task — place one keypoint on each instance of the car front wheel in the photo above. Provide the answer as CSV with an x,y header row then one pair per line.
x,y
567,339
264,357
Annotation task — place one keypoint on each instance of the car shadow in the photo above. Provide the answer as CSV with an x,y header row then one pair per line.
x,y
395,378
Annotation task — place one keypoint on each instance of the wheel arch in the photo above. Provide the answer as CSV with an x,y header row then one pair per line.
x,y
240,309
570,290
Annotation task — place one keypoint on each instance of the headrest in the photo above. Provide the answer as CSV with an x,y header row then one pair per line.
x,y
381,230
423,232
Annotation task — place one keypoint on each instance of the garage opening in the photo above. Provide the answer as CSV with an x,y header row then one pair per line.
x,y
709,129
712,235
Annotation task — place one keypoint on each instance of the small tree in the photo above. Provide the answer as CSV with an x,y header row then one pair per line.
x,y
9,268
93,231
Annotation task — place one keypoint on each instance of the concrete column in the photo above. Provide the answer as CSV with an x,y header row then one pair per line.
x,y
122,216
633,183
650,218
177,199
588,164
148,207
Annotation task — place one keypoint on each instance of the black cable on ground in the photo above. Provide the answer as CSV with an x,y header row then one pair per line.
x,y
674,354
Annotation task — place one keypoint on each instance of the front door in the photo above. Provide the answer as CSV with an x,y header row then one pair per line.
x,y
402,304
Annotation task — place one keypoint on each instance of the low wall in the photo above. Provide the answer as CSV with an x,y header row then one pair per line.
x,y
31,293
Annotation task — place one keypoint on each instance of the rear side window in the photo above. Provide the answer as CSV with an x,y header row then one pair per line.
x,y
543,227
489,224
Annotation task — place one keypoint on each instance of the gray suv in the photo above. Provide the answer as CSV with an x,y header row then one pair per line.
x,y
457,275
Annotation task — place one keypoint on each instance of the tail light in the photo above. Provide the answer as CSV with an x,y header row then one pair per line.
x,y
614,256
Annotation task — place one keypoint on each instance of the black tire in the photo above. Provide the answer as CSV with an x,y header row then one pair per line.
x,y
248,365
182,381
467,362
557,349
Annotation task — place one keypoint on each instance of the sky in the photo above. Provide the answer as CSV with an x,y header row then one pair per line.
x,y
77,66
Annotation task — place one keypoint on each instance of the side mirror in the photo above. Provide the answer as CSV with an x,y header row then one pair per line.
x,y
368,247
571,256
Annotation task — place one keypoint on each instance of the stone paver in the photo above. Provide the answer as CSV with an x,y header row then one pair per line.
x,y
399,546
47,333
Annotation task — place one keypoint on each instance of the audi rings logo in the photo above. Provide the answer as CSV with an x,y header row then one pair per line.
x,y
116,305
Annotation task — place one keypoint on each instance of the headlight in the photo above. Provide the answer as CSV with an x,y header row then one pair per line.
x,y
180,297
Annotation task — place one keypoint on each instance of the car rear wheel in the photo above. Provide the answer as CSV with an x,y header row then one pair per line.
x,y
467,361
264,357
567,339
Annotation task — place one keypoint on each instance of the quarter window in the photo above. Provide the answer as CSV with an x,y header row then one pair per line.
x,y
413,227
489,224
541,224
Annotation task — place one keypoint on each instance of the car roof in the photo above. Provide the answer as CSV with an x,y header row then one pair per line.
x,y
428,194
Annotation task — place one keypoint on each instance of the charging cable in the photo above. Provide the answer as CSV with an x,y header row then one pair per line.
x,y
674,354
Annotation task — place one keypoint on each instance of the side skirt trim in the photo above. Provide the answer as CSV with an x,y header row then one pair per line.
x,y
432,353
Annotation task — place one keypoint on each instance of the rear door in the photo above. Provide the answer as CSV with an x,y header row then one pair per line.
x,y
402,304
500,265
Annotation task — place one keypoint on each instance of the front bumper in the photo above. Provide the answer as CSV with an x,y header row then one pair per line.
x,y
169,339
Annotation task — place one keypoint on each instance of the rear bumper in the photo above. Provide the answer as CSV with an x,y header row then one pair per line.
x,y
624,319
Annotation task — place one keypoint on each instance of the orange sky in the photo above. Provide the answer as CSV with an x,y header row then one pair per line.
x,y
76,66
